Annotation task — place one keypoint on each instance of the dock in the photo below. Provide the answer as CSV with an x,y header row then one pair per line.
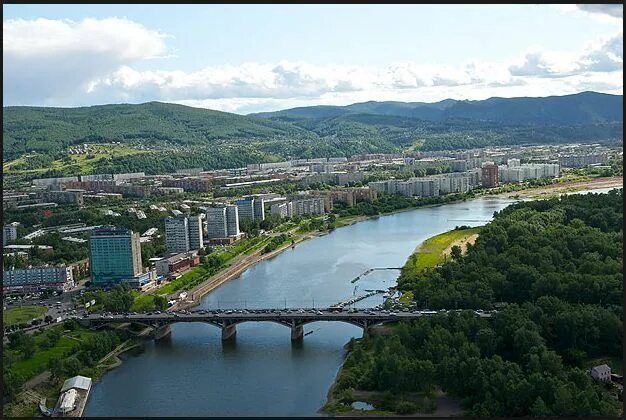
x,y
371,270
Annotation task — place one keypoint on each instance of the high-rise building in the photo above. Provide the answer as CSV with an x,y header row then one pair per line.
x,y
259,209
489,173
9,234
194,223
176,234
115,257
232,220
245,208
216,222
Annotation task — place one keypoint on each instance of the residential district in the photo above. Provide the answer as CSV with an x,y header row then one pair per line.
x,y
194,210
115,252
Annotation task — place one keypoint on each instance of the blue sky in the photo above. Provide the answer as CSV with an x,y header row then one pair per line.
x,y
248,58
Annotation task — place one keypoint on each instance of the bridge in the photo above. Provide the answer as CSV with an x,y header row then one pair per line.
x,y
227,321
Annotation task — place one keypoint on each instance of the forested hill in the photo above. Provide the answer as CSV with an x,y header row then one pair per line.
x,y
581,108
554,271
45,129
182,135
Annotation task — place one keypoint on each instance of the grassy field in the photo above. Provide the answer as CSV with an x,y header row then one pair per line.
x,y
83,163
190,277
28,368
22,314
431,252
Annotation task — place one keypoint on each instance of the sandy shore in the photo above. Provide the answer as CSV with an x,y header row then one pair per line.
x,y
592,184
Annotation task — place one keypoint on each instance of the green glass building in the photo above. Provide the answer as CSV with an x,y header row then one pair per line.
x,y
115,256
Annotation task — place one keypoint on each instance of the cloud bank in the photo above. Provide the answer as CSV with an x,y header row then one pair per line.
x,y
67,63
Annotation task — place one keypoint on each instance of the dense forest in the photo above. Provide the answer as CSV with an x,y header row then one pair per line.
x,y
184,137
553,269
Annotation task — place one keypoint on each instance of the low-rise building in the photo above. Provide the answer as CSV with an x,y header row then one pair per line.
x,y
601,373
177,263
37,278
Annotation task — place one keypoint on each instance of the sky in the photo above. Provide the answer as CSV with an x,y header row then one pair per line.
x,y
254,58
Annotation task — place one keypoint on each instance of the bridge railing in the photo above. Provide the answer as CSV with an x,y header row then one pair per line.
x,y
286,303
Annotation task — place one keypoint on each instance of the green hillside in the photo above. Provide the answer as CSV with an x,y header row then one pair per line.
x,y
159,137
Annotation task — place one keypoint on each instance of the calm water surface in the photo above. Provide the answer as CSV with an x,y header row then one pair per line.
x,y
191,373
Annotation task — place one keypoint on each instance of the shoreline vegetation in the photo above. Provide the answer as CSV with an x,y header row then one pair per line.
x,y
524,362
223,276
427,255
25,402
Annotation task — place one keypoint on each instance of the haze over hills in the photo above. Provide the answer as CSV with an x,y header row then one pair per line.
x,y
201,137
581,108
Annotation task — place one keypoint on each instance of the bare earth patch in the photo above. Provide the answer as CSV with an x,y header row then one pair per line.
x,y
462,243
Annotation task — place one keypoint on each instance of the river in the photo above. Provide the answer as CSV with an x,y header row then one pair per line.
x,y
191,373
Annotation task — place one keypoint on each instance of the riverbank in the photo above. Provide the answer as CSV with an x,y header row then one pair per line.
x,y
427,254
547,191
238,267
43,386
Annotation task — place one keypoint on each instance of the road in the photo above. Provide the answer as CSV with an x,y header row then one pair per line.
x,y
301,314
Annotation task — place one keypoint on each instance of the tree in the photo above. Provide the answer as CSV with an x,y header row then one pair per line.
x,y
28,347
456,253
160,302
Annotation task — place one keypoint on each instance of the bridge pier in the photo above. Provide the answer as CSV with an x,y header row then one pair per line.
x,y
162,331
297,332
228,331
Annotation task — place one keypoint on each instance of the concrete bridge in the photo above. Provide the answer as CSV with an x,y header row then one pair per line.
x,y
227,321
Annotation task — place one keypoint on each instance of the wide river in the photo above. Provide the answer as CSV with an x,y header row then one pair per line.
x,y
191,373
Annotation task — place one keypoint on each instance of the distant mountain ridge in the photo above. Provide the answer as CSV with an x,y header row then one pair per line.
x,y
580,108
182,136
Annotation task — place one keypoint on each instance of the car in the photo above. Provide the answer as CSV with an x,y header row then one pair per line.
x,y
393,314
229,312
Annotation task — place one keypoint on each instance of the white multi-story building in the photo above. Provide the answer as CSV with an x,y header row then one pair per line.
x,y
282,209
194,223
308,206
176,234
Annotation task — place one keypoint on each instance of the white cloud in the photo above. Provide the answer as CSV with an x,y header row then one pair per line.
x,y
613,10
65,63
603,13
45,58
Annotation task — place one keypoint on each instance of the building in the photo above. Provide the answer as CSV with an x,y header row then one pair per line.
x,y
196,240
37,278
9,233
216,222
245,208
308,206
178,263
189,184
64,197
577,161
232,220
282,209
115,257
513,163
489,175
176,234
74,395
259,209
601,373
